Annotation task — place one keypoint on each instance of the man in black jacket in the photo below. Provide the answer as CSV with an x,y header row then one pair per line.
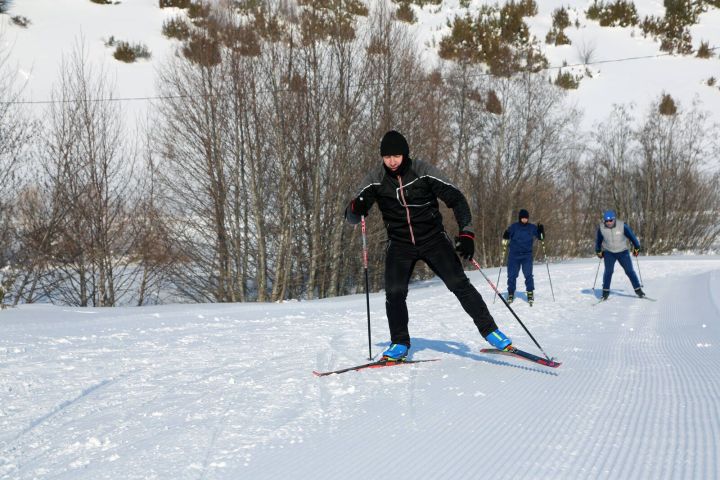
x,y
407,192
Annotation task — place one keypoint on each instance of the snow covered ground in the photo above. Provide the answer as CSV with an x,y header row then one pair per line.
x,y
226,391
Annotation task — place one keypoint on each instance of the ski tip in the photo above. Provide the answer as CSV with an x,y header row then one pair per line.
x,y
516,352
551,363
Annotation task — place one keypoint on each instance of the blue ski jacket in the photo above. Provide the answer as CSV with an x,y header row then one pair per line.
x,y
521,238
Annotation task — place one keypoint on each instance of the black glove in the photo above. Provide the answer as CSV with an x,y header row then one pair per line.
x,y
636,251
465,244
506,235
359,206
599,253
541,231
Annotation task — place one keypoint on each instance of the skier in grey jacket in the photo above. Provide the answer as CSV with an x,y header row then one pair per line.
x,y
611,245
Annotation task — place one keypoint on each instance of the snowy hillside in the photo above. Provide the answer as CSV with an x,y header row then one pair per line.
x,y
57,25
226,391
626,67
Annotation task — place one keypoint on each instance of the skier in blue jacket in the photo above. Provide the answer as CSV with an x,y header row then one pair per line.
x,y
611,245
520,236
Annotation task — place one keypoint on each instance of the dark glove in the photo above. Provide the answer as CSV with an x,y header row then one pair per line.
x,y
359,206
636,251
599,253
465,244
541,231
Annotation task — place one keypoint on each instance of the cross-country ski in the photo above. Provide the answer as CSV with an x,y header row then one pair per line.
x,y
371,365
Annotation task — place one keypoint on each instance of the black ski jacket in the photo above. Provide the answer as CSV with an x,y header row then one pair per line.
x,y
408,201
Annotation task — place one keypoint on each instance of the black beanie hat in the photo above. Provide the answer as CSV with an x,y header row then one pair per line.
x,y
523,214
393,143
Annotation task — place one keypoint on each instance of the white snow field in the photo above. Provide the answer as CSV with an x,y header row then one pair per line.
x,y
226,391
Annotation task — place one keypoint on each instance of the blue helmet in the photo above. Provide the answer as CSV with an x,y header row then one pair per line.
x,y
609,215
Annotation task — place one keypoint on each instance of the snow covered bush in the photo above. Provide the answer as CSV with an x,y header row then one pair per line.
x,y
125,52
667,105
405,13
177,28
704,50
620,13
567,80
21,21
673,30
561,20
498,37
175,3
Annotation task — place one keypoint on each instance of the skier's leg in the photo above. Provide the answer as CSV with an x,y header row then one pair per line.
x,y
513,270
399,264
441,258
527,269
626,264
609,260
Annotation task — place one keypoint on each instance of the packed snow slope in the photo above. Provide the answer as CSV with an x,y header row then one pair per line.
x,y
226,391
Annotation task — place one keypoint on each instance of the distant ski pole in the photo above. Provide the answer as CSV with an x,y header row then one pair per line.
x,y
542,242
367,284
596,275
637,262
502,261
477,265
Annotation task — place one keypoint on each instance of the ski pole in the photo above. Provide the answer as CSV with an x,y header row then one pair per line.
x,y
637,261
542,242
367,284
477,265
596,274
502,261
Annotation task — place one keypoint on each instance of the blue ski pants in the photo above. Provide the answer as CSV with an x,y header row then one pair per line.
x,y
515,263
625,262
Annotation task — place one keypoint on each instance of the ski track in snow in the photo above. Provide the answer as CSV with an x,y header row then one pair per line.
x,y
226,391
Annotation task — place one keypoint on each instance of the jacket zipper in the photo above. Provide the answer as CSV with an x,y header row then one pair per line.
x,y
407,210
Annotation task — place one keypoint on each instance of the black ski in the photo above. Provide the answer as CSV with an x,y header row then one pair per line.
x,y
376,364
516,352
628,296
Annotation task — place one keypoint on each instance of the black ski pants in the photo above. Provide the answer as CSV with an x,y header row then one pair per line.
x,y
439,254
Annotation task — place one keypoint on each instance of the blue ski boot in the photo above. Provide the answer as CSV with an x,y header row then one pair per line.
x,y
396,353
498,340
